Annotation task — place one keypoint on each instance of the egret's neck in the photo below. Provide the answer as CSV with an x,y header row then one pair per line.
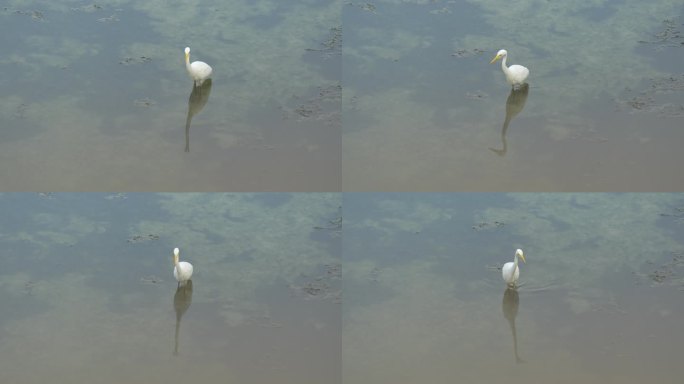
x,y
515,261
187,61
175,260
504,68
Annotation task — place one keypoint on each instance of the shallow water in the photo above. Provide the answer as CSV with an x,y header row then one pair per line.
x,y
97,96
87,288
599,297
425,111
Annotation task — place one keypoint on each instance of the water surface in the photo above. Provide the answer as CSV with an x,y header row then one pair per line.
x,y
87,288
425,111
599,297
97,97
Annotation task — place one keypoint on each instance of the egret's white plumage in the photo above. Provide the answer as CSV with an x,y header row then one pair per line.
x,y
182,270
515,74
198,70
510,271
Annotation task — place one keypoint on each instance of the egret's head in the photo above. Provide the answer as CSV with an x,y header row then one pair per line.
x,y
518,253
176,253
187,50
502,53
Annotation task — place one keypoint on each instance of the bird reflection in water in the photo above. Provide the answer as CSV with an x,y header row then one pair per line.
x,y
181,303
198,99
514,105
510,311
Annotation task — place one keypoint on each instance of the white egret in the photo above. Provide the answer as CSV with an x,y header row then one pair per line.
x,y
198,70
182,270
515,74
510,271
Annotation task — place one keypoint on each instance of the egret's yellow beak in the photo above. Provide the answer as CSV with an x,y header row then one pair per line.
x,y
187,55
523,257
497,57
